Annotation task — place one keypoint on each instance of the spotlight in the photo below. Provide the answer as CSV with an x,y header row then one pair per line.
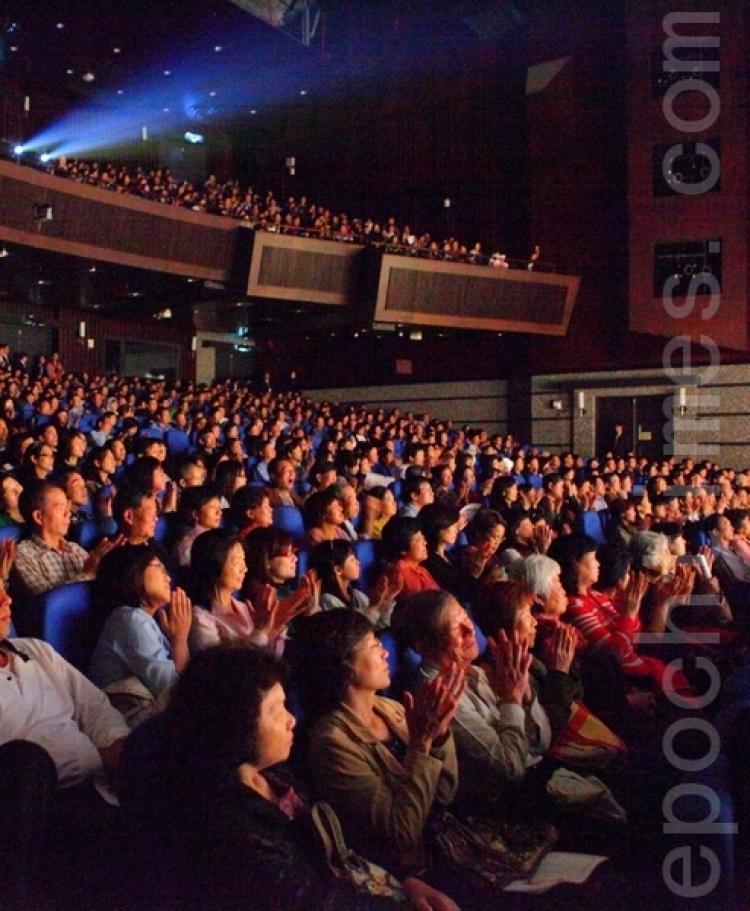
x,y
195,138
45,157
167,72
88,76
18,150
217,48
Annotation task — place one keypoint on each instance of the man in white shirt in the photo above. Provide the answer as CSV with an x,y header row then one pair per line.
x,y
57,732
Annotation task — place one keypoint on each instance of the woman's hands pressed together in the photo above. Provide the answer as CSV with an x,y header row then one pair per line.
x,y
430,712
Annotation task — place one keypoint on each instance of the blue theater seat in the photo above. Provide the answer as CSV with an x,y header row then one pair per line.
x,y
289,519
64,617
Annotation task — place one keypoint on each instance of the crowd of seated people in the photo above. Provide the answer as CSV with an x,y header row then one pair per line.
x,y
455,608
265,212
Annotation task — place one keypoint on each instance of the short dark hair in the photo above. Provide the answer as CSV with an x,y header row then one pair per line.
x,y
32,498
736,517
485,521
497,606
416,618
397,535
614,563
323,656
569,550
245,498
549,479
128,497
500,487
60,475
195,498
119,578
213,712
411,487
141,472
316,506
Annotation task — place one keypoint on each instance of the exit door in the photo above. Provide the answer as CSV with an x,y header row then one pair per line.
x,y
643,420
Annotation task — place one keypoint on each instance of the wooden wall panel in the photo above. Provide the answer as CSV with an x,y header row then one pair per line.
x,y
304,269
433,293
99,224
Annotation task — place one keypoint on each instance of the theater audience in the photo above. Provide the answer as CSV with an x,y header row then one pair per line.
x,y
266,213
416,493
328,452
283,477
380,502
486,533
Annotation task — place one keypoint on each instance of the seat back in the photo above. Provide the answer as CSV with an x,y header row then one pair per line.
x,y
12,532
589,523
177,441
90,532
289,519
303,562
367,554
65,618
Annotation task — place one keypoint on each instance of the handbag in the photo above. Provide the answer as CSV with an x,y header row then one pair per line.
x,y
586,741
346,864
494,851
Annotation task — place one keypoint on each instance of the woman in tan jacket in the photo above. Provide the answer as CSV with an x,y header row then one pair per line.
x,y
381,765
